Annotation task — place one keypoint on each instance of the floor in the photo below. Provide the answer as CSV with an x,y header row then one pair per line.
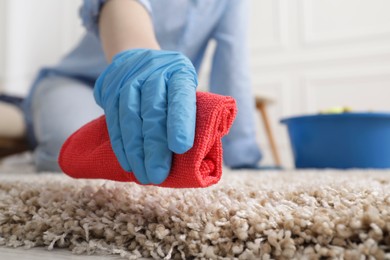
x,y
43,254
11,165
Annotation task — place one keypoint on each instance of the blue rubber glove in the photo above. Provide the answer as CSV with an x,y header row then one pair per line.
x,y
149,100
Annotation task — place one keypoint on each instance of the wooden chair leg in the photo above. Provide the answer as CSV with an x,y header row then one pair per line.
x,y
261,106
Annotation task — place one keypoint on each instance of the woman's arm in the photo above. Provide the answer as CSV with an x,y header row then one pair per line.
x,y
124,25
150,106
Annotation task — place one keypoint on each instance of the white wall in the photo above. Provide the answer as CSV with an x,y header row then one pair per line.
x,y
34,34
308,54
3,18
315,54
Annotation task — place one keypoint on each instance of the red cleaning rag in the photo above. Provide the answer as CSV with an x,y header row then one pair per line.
x,y
88,154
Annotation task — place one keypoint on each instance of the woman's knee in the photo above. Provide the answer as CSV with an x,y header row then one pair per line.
x,y
60,107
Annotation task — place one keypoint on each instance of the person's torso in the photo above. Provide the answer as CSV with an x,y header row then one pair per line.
x,y
180,25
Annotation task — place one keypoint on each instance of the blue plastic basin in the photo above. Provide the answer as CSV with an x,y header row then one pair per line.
x,y
348,140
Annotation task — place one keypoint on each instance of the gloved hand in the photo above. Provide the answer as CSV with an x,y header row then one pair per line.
x,y
149,99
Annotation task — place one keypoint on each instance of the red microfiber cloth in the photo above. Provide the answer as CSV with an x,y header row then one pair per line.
x,y
88,154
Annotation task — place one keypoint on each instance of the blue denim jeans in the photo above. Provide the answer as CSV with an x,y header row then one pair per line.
x,y
59,106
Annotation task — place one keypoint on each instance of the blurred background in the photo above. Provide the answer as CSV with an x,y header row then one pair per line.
x,y
308,55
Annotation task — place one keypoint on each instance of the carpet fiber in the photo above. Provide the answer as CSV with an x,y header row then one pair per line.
x,y
248,215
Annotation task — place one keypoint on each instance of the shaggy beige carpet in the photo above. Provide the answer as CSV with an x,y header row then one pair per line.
x,y
249,215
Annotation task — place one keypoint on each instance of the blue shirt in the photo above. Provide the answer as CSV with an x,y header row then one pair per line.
x,y
186,26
